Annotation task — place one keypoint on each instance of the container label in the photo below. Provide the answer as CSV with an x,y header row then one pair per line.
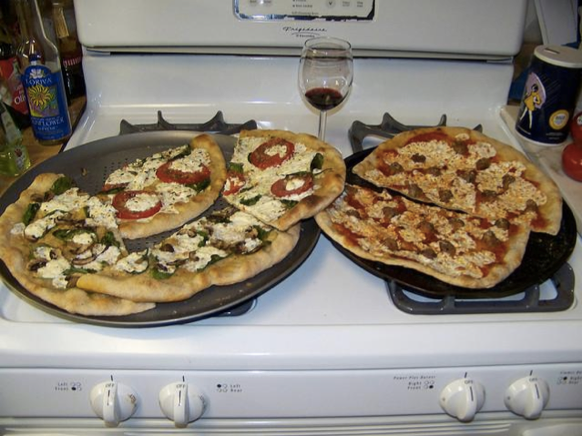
x,y
11,74
547,103
47,103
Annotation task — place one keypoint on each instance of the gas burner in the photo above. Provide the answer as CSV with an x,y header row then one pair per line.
x,y
530,300
388,128
215,125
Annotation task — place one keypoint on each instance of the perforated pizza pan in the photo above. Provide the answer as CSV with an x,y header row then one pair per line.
x,y
89,165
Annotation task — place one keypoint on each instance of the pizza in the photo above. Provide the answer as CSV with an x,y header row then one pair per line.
x,y
167,189
464,170
455,247
227,246
282,177
54,234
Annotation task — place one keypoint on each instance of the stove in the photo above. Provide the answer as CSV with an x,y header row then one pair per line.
x,y
330,349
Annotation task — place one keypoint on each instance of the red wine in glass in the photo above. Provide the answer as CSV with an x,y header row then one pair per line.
x,y
325,75
324,98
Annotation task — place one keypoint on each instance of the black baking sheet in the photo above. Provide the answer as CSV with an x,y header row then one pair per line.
x,y
89,165
544,255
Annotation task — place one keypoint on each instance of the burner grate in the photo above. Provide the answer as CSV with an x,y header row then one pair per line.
x,y
388,128
215,125
531,300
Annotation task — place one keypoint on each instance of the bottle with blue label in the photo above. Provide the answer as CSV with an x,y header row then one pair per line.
x,y
42,78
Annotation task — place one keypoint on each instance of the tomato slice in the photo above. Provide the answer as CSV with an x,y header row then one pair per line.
x,y
151,204
169,175
292,185
235,180
269,154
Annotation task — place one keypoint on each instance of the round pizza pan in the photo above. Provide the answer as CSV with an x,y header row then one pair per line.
x,y
89,165
544,255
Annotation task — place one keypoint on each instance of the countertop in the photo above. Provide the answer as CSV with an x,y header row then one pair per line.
x,y
38,153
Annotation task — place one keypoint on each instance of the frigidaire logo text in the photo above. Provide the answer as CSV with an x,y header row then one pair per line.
x,y
304,32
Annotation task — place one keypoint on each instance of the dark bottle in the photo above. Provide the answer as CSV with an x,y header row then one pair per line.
x,y
42,78
63,14
12,93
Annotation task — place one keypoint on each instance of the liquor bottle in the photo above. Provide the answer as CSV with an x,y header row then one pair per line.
x,y
42,78
14,159
63,14
13,92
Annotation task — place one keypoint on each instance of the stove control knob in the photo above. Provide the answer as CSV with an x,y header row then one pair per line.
x,y
114,402
182,403
527,397
462,399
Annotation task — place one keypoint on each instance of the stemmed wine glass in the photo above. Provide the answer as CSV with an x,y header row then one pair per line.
x,y
326,74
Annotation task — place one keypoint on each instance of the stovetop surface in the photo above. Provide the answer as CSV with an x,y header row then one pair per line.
x,y
328,301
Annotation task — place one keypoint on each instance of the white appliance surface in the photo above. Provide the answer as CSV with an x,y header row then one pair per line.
x,y
325,351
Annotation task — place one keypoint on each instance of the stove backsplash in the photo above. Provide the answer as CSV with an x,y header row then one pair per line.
x,y
449,28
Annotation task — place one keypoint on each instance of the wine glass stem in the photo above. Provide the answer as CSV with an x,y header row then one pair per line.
x,y
322,125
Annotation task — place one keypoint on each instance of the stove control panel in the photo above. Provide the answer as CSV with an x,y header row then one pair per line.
x,y
180,398
336,10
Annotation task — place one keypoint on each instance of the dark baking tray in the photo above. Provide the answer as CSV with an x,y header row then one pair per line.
x,y
89,165
544,256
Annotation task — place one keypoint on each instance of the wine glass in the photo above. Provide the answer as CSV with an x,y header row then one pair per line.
x,y
326,74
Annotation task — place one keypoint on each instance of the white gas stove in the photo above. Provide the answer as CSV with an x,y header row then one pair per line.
x,y
327,350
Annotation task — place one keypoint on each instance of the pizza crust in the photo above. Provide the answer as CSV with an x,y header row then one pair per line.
x,y
14,252
183,284
501,269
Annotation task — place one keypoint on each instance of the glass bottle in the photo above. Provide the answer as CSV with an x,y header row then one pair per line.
x,y
13,93
14,159
42,78
63,14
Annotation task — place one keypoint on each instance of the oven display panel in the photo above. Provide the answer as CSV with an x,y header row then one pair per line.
x,y
335,10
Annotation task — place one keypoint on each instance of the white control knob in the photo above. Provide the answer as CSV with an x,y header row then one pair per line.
x,y
114,402
182,403
462,399
527,397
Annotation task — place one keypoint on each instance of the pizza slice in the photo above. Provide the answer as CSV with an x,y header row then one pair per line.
x,y
454,247
462,169
227,246
167,189
282,177
53,235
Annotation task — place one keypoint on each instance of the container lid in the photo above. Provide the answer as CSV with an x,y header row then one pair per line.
x,y
561,56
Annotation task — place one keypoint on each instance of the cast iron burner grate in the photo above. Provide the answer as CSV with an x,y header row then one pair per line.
x,y
414,302
388,128
530,300
215,125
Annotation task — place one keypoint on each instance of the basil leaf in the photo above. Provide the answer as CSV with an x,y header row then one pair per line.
x,y
317,162
289,204
115,190
30,213
263,234
250,201
109,240
69,234
235,167
200,186
160,275
61,185
75,270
